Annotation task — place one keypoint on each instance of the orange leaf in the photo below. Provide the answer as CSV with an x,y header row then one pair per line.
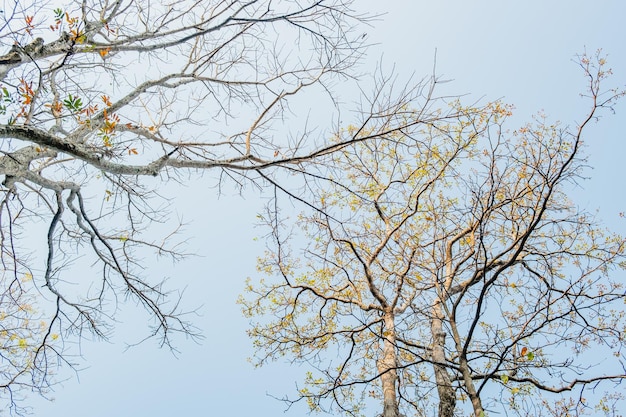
x,y
104,52
132,151
106,101
524,350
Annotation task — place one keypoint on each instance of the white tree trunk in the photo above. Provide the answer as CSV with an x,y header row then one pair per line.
x,y
387,367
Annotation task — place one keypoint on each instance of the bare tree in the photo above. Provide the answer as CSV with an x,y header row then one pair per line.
x,y
100,96
443,270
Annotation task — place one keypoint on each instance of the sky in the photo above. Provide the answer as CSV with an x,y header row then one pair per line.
x,y
519,51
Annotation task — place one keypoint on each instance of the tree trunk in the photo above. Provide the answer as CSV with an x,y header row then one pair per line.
x,y
447,397
467,381
466,372
387,368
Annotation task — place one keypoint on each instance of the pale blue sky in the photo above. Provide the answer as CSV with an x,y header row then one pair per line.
x,y
518,51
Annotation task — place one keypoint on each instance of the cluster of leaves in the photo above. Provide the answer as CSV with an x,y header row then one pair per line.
x,y
64,22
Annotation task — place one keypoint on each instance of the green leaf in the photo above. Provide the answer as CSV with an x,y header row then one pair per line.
x,y
73,103
504,379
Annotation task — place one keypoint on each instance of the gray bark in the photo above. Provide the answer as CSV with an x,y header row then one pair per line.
x,y
447,397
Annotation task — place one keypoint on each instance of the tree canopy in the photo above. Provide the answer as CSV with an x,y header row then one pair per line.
x,y
445,270
97,98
